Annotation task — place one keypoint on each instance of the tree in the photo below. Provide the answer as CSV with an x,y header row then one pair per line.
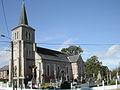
x,y
72,50
92,66
104,71
115,70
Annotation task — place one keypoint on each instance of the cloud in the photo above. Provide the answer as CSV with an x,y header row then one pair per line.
x,y
4,57
112,51
111,57
65,44
111,63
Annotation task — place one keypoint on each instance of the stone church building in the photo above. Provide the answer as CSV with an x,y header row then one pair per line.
x,y
38,64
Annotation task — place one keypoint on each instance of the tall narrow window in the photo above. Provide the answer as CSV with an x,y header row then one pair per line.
x,y
58,69
29,36
58,72
29,52
67,70
17,35
26,35
48,70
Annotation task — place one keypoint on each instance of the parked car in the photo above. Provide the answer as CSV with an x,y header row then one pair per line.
x,y
65,85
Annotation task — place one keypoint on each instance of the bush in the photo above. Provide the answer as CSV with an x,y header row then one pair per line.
x,y
98,81
46,85
113,82
3,80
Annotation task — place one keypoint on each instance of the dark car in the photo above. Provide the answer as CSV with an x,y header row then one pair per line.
x,y
65,85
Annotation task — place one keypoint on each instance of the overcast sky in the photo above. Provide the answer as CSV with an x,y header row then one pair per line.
x,y
68,22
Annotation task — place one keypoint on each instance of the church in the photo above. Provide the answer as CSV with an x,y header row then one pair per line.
x,y
37,64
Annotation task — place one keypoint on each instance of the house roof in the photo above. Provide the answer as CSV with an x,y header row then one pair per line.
x,y
4,68
51,54
75,58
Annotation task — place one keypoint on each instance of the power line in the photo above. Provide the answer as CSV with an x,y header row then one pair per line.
x,y
78,44
5,18
5,41
93,44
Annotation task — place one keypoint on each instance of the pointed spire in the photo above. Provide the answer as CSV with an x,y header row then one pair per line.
x,y
23,17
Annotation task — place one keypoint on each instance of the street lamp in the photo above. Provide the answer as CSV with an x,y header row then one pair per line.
x,y
12,63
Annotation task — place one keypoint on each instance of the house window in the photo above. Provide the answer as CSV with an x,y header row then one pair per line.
x,y
48,70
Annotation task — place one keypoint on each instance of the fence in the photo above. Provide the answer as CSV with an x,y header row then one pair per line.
x,y
5,86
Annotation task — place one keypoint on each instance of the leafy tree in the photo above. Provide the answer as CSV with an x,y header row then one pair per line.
x,y
104,71
115,71
72,50
92,66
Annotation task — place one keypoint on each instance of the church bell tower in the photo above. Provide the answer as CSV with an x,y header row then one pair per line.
x,y
23,38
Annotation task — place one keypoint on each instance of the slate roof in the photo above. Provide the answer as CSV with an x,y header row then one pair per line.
x,y
49,54
75,58
23,17
4,68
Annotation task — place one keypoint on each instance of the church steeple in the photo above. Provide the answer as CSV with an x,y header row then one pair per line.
x,y
23,17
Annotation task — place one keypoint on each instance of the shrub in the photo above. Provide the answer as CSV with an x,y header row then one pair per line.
x,y
98,81
113,82
3,80
46,85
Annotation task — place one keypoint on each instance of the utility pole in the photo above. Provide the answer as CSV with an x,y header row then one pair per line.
x,y
12,62
12,65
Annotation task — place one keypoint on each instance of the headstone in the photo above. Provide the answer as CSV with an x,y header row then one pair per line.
x,y
99,76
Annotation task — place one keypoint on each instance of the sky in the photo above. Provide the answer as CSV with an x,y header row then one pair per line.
x,y
66,22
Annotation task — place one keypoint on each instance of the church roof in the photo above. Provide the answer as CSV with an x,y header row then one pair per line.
x,y
4,68
49,54
23,17
75,58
